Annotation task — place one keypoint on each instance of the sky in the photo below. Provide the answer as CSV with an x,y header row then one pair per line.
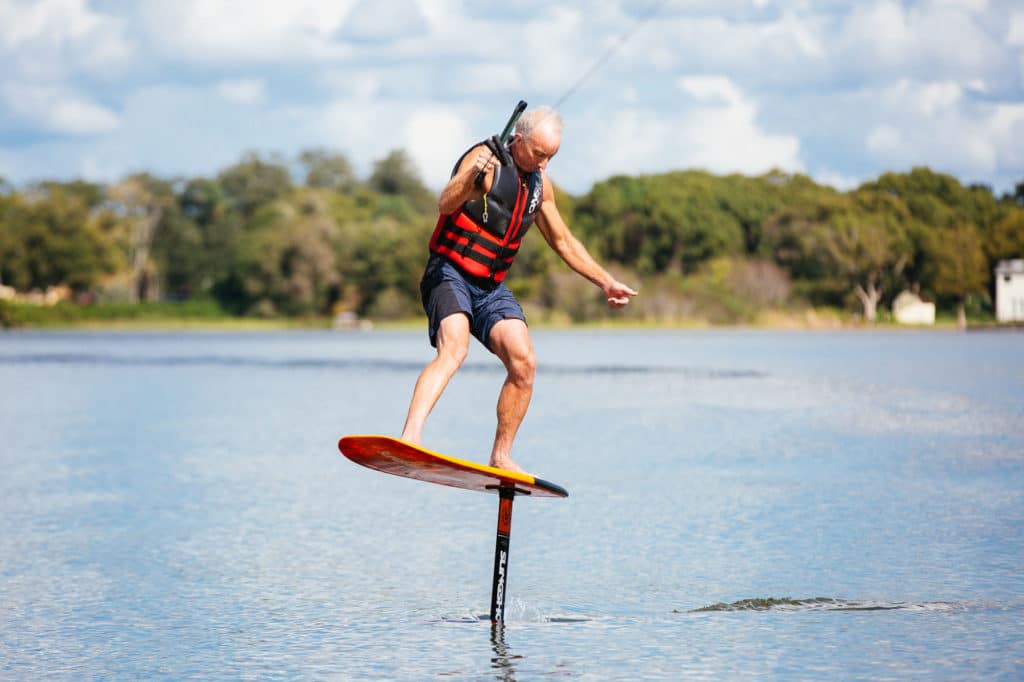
x,y
840,90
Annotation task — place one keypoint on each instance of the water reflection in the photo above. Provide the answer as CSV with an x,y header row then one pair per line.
x,y
502,662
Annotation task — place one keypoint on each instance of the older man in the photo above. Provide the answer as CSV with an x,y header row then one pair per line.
x,y
486,208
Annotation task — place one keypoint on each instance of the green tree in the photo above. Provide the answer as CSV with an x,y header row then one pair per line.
x,y
195,243
1006,240
287,265
51,239
202,200
841,242
661,223
751,201
90,194
179,253
960,266
328,170
12,255
383,255
254,182
142,201
396,175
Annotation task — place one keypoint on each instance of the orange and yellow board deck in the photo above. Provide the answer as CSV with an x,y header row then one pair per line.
x,y
394,456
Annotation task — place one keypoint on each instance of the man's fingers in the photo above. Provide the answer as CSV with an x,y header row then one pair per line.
x,y
625,290
485,161
621,288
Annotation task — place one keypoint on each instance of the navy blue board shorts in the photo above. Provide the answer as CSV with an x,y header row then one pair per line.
x,y
446,290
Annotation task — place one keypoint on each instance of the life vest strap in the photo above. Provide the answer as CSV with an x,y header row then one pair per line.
x,y
482,238
465,249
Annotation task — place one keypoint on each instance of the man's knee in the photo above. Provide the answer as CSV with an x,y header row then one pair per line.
x,y
520,360
453,340
453,353
522,366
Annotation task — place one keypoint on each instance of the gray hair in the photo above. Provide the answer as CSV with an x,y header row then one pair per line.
x,y
534,118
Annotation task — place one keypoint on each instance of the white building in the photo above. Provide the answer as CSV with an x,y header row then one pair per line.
x,y
1010,290
908,308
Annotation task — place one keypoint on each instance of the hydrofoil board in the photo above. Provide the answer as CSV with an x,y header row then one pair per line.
x,y
394,456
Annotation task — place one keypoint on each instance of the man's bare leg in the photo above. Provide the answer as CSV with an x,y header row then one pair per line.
x,y
510,340
452,348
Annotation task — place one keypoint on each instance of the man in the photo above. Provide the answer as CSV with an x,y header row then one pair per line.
x,y
485,210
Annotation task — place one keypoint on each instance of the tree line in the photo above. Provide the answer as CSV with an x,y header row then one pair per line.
x,y
270,236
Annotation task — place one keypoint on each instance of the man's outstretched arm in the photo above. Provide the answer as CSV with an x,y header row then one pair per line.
x,y
575,255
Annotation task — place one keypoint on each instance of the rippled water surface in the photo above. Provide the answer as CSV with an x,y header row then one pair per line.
x,y
789,505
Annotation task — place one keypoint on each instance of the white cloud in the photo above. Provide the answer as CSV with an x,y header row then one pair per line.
x,y
973,6
488,77
434,138
931,124
228,31
722,132
804,35
927,99
80,116
57,109
885,141
383,20
1007,125
550,49
711,89
885,39
1015,35
50,39
243,90
716,128
365,129
880,27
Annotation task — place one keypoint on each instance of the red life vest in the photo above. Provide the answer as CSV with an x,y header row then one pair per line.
x,y
482,237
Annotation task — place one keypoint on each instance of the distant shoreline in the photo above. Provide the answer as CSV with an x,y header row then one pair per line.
x,y
159,319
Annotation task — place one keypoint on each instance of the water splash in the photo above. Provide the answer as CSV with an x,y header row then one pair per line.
x,y
516,611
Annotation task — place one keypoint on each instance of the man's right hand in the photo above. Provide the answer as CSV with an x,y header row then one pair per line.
x,y
485,160
469,182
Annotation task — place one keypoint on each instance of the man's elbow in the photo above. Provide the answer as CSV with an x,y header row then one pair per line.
x,y
446,205
561,247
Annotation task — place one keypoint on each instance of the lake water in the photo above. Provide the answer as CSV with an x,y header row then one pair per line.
x,y
782,505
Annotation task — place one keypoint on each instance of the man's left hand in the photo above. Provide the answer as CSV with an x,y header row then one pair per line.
x,y
618,294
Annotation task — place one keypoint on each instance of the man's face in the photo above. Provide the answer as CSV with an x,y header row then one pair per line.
x,y
534,152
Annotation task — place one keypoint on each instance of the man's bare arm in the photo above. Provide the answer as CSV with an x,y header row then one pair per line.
x,y
575,255
462,187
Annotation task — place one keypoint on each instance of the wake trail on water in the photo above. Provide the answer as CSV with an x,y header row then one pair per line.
x,y
836,604
374,364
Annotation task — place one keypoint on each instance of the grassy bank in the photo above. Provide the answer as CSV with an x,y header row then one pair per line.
x,y
159,315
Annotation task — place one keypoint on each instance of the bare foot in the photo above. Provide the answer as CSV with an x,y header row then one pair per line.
x,y
411,439
505,463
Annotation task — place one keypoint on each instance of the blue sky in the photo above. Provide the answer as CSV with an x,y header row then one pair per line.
x,y
837,89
